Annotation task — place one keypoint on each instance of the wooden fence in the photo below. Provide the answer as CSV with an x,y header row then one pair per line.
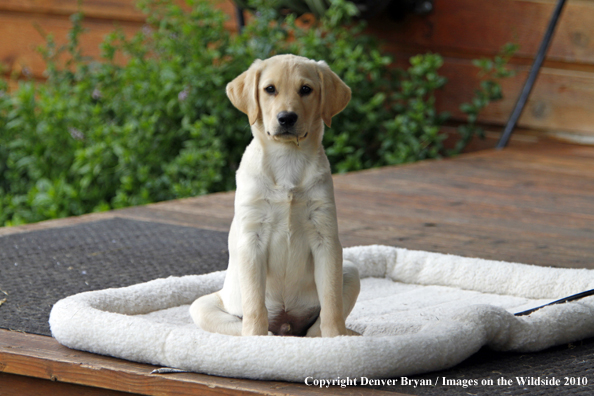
x,y
561,104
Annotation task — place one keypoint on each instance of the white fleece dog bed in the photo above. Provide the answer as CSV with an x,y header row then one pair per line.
x,y
417,312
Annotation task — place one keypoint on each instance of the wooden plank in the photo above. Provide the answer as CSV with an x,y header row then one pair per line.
x,y
466,209
178,216
122,10
530,205
20,53
560,103
57,223
561,100
43,357
491,23
161,213
476,235
529,183
212,211
465,29
19,20
12,385
482,27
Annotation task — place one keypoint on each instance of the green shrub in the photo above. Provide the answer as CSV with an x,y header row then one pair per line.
x,y
98,135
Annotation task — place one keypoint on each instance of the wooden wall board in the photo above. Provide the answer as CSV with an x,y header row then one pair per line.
x,y
491,23
561,100
460,29
123,10
120,10
19,53
19,21
482,27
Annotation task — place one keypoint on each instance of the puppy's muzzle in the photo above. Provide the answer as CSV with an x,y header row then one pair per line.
x,y
287,119
286,124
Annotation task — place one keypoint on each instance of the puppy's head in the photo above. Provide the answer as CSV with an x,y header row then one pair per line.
x,y
288,98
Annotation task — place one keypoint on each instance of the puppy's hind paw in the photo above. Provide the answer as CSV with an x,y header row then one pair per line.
x,y
352,333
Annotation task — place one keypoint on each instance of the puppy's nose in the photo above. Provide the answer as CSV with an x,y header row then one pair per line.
x,y
287,118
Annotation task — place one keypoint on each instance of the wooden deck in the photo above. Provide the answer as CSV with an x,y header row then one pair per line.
x,y
532,202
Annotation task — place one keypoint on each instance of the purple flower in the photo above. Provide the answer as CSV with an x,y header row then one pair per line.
x,y
96,94
183,95
147,30
76,134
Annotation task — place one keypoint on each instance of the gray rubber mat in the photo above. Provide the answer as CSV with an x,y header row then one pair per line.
x,y
39,268
562,370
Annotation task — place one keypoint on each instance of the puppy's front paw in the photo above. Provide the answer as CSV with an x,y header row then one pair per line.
x,y
314,330
334,331
352,333
252,328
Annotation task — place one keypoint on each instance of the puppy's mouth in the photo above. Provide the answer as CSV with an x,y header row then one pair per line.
x,y
288,135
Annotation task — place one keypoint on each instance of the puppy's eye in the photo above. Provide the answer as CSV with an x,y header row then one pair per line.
x,y
270,89
305,90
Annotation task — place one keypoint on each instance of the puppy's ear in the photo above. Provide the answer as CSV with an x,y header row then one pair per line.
x,y
335,93
243,91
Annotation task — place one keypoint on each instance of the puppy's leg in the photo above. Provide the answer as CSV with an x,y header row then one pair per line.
x,y
209,313
252,281
351,286
327,256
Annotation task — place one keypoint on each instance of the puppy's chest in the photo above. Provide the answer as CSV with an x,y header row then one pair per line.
x,y
288,206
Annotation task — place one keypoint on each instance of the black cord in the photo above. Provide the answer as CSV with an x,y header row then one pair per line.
x,y
561,301
538,60
240,18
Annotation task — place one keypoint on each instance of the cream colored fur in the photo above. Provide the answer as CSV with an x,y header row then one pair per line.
x,y
285,255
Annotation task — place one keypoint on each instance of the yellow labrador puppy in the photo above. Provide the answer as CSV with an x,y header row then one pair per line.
x,y
286,274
